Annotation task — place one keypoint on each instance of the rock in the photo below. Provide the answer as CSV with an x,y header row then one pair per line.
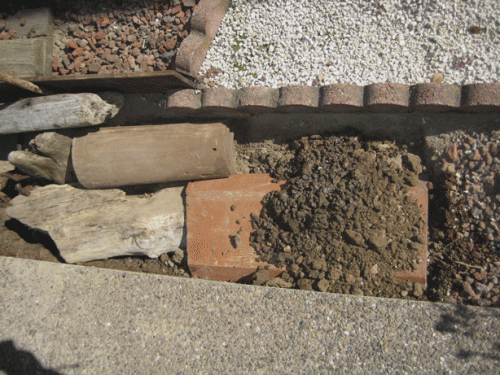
x,y
278,282
323,285
99,224
475,156
305,284
176,9
189,3
94,67
261,276
448,168
480,275
49,159
319,264
438,78
413,162
104,21
469,291
178,256
418,290
73,44
100,35
167,55
378,241
131,38
170,44
350,278
354,237
452,153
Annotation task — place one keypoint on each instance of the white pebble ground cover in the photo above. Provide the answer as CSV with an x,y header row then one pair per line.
x,y
319,42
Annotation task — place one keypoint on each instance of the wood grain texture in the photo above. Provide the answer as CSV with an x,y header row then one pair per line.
x,y
149,82
48,160
54,112
134,155
98,224
27,57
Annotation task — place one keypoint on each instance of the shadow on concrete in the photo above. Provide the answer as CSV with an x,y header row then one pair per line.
x,y
20,362
466,321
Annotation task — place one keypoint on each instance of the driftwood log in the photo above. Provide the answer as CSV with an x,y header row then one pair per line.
x,y
148,154
48,159
98,224
54,112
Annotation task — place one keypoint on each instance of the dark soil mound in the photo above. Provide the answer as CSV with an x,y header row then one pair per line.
x,y
344,222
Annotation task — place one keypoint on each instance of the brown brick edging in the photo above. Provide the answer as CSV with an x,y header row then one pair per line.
x,y
206,19
340,98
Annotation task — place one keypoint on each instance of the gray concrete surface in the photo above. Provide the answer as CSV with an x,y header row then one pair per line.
x,y
65,319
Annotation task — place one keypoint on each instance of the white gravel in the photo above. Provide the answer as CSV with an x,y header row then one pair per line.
x,y
284,42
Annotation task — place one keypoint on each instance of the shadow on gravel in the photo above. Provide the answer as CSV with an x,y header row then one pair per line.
x,y
467,322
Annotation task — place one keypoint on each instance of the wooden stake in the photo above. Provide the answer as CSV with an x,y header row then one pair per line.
x,y
22,83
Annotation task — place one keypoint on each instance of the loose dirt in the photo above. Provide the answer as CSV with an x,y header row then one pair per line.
x,y
344,222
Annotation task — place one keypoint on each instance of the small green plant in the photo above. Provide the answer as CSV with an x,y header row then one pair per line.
x,y
238,40
240,67
269,47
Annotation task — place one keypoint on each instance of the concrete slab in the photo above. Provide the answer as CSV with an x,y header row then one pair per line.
x,y
69,319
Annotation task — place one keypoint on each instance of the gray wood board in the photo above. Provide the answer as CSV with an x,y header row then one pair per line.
x,y
26,58
150,82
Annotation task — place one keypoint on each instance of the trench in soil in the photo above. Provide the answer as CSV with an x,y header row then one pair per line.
x,y
258,151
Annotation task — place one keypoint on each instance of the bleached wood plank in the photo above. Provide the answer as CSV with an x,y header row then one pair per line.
x,y
98,224
54,112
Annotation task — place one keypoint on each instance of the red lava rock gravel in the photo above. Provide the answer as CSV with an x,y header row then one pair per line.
x,y
141,37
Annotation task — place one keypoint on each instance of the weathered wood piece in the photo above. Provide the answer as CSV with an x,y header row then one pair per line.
x,y
49,159
5,167
21,83
55,111
27,57
140,82
99,224
32,56
148,154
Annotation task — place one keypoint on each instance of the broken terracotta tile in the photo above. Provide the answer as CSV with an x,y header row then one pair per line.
x,y
213,210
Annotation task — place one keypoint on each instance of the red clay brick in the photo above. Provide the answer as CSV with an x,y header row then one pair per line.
x,y
205,22
219,100
434,97
387,97
341,98
192,52
207,16
298,98
481,98
210,221
184,101
258,99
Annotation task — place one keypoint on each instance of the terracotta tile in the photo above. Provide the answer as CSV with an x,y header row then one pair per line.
x,y
210,223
